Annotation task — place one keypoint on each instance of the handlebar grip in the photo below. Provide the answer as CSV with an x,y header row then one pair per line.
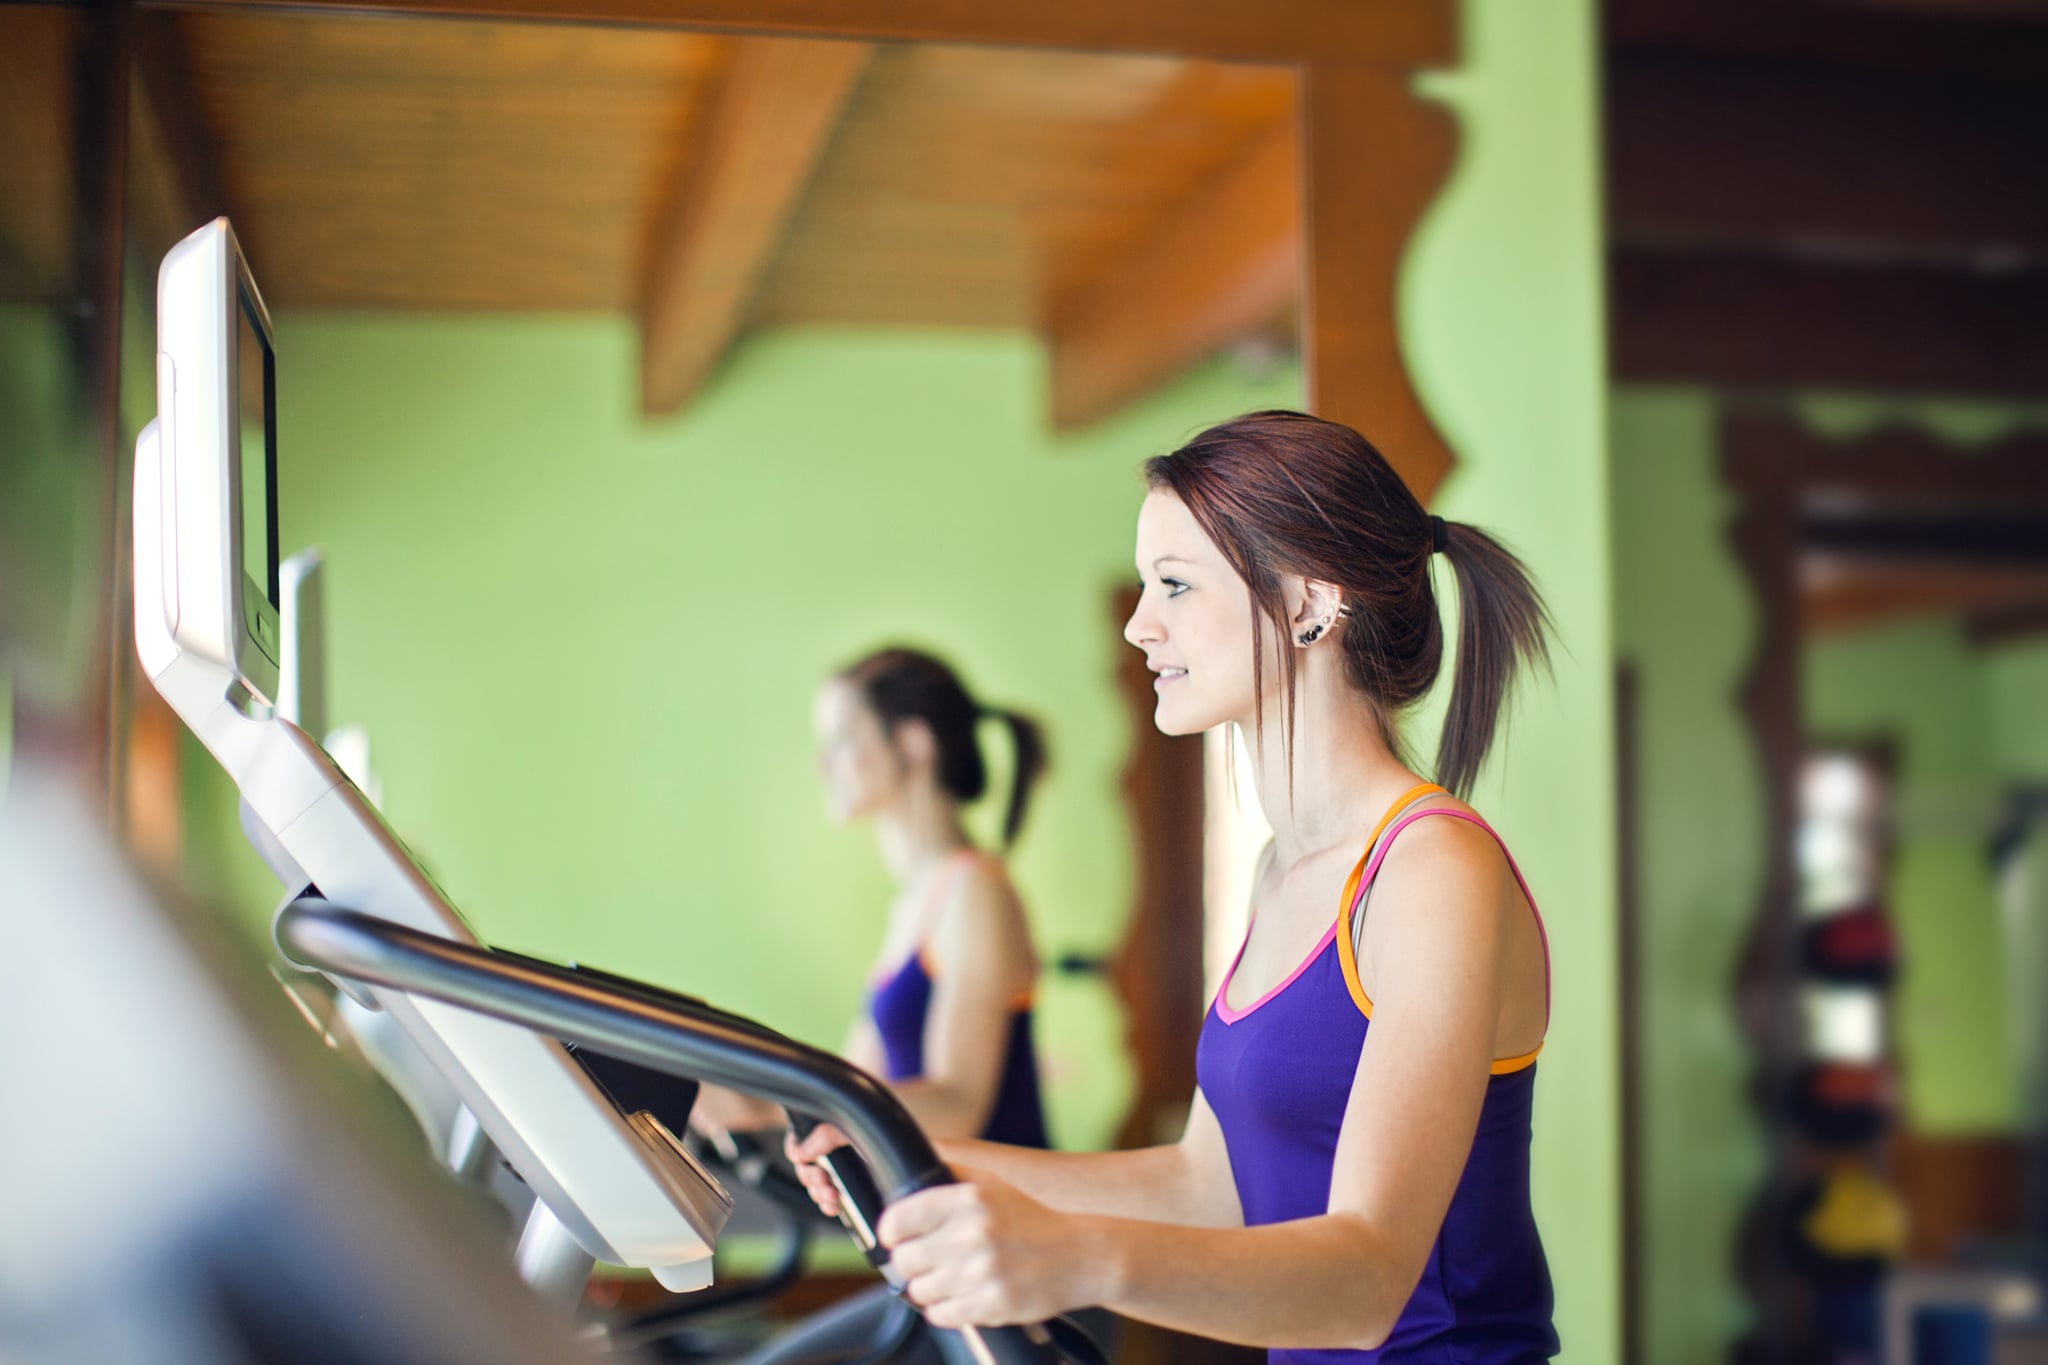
x,y
860,1199
860,1209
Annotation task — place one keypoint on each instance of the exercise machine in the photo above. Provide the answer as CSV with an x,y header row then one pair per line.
x,y
610,1182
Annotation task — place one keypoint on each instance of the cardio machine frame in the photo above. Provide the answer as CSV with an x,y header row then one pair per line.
x,y
659,1029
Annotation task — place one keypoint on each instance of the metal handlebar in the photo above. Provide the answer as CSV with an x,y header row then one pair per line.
x,y
654,1028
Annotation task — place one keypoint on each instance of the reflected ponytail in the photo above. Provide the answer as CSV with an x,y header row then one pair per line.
x,y
1027,742
908,684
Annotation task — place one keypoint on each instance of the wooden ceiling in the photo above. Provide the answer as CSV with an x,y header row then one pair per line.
x,y
381,164
707,183
39,258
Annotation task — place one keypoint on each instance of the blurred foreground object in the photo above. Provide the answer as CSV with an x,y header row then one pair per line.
x,y
179,1185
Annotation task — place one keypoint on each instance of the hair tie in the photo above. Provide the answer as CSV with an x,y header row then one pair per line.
x,y
1439,536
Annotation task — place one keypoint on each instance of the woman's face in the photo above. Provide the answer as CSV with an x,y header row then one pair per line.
x,y
1194,622
862,770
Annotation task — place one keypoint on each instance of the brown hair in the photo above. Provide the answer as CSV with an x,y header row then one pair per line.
x,y
1282,492
908,684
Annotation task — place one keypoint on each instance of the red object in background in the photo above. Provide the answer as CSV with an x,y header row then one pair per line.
x,y
1843,1104
1855,947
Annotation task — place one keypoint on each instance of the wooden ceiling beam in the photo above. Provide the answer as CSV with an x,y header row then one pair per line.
x,y
1987,626
2031,11
40,146
717,229
1402,34
1802,30
1735,152
1857,594
1984,539
1889,468
1220,265
1775,324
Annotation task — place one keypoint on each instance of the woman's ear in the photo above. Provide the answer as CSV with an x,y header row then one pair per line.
x,y
1310,602
915,742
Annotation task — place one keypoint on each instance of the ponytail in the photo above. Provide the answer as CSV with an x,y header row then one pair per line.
x,y
1027,741
1501,627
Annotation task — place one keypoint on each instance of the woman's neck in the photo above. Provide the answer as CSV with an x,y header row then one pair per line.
x,y
918,832
1344,775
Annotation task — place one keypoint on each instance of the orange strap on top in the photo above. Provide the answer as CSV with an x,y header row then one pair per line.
x,y
1401,803
1347,956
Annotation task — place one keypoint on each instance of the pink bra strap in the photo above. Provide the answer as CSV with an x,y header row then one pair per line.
x,y
1372,870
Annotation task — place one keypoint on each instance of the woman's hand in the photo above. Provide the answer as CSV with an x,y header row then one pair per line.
x,y
983,1253
804,1156
719,1110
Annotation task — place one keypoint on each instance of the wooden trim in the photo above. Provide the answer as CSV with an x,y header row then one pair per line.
x,y
2003,625
1226,263
1960,1189
1840,594
1629,958
1395,34
1157,971
1765,534
103,148
163,63
774,112
1374,157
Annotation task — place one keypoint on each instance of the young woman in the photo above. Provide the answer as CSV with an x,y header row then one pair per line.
x,y
948,1019
1353,1183
948,1016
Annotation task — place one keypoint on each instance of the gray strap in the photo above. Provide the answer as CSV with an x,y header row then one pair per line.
x,y
1365,889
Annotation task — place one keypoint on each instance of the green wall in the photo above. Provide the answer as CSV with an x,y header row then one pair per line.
x,y
1502,318
1921,685
46,498
1684,625
2016,694
584,646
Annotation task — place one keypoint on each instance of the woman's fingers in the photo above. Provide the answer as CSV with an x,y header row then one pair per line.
x,y
982,1252
804,1157
925,1212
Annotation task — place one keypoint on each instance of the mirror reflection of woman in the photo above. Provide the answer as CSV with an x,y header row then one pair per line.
x,y
948,1017
1353,1182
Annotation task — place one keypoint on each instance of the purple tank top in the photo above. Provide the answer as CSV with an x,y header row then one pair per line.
x,y
1278,1075
899,1004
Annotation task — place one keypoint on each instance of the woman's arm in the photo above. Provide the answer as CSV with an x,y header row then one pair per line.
x,y
721,1107
981,962
984,1252
1186,1182
863,1046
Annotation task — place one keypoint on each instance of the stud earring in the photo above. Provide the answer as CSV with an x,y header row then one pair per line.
x,y
1313,633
